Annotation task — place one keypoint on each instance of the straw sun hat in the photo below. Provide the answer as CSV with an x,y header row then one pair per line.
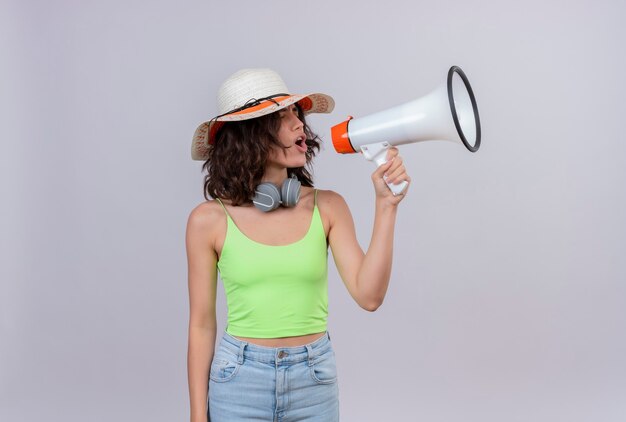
x,y
251,93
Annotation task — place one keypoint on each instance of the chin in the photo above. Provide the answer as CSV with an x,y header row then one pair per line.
x,y
299,163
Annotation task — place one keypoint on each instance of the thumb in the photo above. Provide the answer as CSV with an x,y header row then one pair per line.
x,y
380,171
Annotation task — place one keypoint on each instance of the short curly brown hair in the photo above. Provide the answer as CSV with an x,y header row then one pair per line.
x,y
236,163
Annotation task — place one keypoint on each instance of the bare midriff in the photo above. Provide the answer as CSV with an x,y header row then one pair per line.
x,y
283,341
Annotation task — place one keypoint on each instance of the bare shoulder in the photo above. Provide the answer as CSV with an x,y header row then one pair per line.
x,y
206,213
206,220
331,203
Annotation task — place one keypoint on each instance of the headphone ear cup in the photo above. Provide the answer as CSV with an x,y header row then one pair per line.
x,y
267,197
290,192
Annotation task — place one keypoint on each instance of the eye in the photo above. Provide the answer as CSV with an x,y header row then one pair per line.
x,y
291,109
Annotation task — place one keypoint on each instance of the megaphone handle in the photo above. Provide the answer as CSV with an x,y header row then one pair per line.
x,y
378,154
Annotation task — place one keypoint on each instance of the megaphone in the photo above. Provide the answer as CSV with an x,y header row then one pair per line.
x,y
448,113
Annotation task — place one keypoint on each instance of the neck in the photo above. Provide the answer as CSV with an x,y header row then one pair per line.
x,y
275,175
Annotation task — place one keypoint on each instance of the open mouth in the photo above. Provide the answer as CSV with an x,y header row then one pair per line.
x,y
301,144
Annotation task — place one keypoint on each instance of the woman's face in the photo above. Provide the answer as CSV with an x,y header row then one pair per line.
x,y
291,135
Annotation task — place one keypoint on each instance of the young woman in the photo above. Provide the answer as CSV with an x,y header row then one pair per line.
x,y
275,360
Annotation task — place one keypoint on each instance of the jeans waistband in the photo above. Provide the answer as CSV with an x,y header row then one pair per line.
x,y
275,355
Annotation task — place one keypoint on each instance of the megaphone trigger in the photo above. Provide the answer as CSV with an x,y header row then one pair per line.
x,y
378,154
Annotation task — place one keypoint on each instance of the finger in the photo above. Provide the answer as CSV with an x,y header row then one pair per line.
x,y
397,174
392,152
397,163
405,188
380,170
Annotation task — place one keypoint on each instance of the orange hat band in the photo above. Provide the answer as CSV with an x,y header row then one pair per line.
x,y
305,104
253,105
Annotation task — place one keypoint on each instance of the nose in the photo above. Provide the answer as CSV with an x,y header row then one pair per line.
x,y
296,123
299,125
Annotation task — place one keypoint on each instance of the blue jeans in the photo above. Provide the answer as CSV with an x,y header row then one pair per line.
x,y
249,382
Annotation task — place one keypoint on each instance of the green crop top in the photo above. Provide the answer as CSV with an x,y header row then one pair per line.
x,y
275,291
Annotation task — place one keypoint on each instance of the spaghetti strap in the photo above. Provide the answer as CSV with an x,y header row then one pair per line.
x,y
218,200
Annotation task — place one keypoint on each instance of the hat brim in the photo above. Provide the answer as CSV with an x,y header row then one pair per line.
x,y
310,103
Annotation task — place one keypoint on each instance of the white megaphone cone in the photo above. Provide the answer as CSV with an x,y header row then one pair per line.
x,y
449,113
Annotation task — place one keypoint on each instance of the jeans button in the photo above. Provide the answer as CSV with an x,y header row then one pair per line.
x,y
282,354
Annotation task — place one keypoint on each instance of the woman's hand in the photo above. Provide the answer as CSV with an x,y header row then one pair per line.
x,y
392,171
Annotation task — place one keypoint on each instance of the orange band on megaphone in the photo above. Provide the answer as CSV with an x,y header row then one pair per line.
x,y
341,139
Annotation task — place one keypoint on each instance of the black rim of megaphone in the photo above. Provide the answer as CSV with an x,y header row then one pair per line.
x,y
451,72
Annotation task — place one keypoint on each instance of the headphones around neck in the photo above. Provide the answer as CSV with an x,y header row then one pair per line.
x,y
268,197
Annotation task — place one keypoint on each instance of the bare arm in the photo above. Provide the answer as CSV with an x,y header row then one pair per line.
x,y
202,280
366,275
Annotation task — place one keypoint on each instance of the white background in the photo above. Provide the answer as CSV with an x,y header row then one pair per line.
x,y
508,295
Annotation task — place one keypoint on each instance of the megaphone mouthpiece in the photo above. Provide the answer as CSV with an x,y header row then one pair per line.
x,y
340,137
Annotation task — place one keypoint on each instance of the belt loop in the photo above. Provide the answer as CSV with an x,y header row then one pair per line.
x,y
242,346
328,334
310,356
